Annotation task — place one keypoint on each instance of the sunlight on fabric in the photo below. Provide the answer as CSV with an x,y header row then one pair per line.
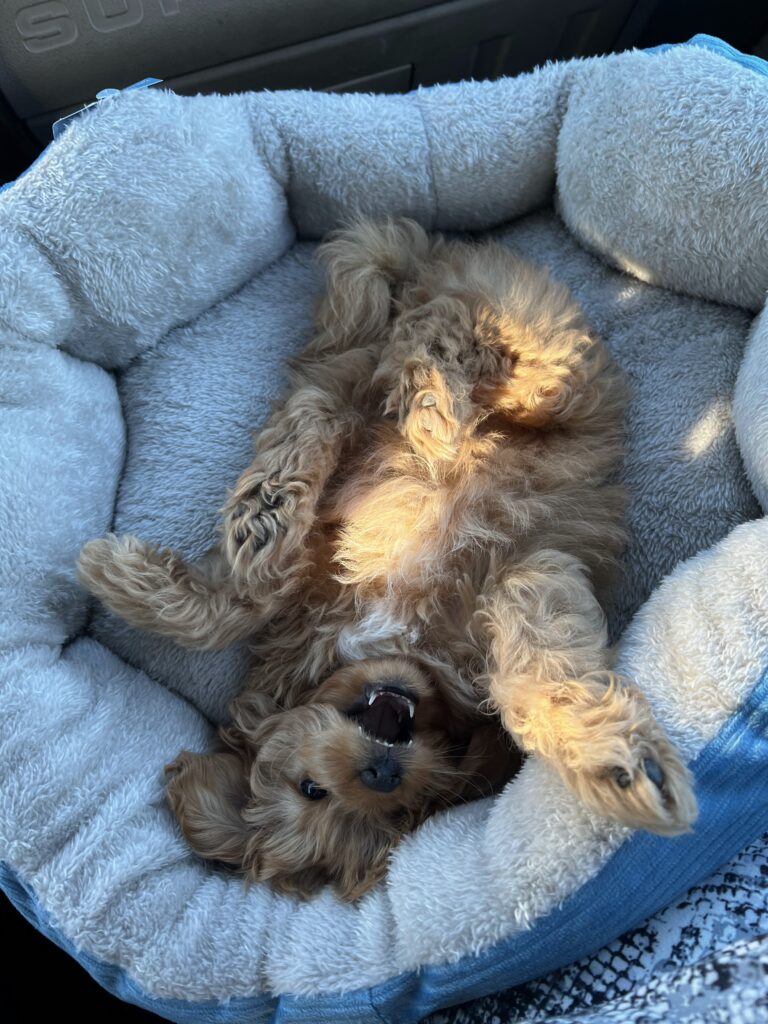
x,y
629,293
630,266
711,426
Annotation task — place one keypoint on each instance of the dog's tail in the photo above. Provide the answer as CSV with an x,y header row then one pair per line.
x,y
364,264
155,590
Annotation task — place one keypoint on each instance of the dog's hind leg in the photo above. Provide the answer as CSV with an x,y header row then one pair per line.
x,y
272,507
548,677
155,590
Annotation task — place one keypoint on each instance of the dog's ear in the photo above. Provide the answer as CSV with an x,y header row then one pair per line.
x,y
300,884
489,762
251,717
360,866
362,862
206,793
364,264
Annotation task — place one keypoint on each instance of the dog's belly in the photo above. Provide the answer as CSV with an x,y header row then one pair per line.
x,y
413,555
378,631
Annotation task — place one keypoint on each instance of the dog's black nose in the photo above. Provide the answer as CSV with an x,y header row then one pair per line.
x,y
383,774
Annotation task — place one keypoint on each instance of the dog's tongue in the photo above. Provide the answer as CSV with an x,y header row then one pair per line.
x,y
388,717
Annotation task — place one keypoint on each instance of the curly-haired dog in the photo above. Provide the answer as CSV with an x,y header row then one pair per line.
x,y
418,540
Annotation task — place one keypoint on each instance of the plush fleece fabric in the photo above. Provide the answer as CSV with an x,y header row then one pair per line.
x,y
156,270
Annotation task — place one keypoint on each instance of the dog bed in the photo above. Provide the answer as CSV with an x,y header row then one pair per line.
x,y
156,272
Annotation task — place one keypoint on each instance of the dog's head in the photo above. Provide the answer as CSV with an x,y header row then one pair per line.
x,y
322,792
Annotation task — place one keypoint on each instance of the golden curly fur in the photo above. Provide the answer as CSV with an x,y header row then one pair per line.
x,y
425,524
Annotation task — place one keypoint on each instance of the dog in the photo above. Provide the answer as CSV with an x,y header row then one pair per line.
x,y
415,555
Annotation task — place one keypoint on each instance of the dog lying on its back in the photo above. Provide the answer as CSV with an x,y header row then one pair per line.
x,y
417,542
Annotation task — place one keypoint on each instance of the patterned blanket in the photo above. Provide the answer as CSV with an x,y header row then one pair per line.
x,y
703,960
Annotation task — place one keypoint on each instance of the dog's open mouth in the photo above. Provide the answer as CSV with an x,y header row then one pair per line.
x,y
385,713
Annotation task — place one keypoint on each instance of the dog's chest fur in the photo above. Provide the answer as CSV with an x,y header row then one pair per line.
x,y
377,630
402,546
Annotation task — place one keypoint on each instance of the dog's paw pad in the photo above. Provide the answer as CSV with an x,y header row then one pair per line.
x,y
649,769
654,773
641,780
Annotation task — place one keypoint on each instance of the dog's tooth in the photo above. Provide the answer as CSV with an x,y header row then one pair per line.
x,y
411,710
372,698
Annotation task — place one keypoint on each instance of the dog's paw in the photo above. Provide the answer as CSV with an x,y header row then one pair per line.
x,y
426,409
648,792
94,560
115,568
255,521
429,412
622,765
269,520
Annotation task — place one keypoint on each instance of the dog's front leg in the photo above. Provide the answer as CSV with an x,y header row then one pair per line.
x,y
154,589
272,507
549,680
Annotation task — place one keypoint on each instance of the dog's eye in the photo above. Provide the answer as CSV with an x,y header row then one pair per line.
x,y
311,790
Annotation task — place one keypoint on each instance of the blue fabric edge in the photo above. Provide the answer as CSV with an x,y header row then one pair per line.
x,y
646,874
721,48
584,923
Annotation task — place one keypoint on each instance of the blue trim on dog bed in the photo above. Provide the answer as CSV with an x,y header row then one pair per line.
x,y
720,47
646,874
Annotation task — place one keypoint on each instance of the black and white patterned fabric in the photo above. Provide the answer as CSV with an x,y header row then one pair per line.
x,y
703,960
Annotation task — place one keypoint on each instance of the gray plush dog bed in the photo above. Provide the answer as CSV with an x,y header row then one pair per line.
x,y
155,271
